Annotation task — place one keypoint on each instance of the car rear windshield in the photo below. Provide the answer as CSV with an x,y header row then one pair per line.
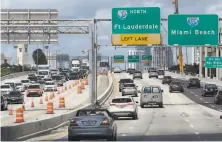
x,y
49,83
33,86
126,80
5,86
176,83
56,77
167,77
73,73
156,90
122,100
25,81
194,79
129,85
14,93
18,84
211,86
41,82
147,90
33,77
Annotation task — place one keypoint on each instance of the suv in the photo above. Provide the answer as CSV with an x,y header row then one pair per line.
x,y
153,74
167,79
160,72
176,86
151,95
131,71
193,82
129,89
124,107
138,74
218,97
209,89
34,90
123,81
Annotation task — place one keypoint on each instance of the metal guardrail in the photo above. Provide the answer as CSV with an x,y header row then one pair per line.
x,y
16,75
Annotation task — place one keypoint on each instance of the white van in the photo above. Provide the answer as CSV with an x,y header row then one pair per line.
x,y
151,95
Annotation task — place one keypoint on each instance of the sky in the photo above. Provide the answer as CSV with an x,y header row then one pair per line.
x,y
88,9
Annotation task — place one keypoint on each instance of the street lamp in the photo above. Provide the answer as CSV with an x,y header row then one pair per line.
x,y
47,52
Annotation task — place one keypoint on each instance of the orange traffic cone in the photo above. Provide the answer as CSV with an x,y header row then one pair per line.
x,y
10,110
32,104
23,106
19,116
61,101
51,96
50,109
46,98
40,101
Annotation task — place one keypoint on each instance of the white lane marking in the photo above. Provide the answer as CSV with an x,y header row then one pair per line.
x,y
191,126
123,135
212,105
201,98
206,102
197,133
187,120
131,127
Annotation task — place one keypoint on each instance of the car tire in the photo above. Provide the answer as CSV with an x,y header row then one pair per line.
x,y
70,138
188,86
182,91
157,77
161,105
203,95
216,102
141,78
135,116
149,77
162,83
119,90
142,105
170,91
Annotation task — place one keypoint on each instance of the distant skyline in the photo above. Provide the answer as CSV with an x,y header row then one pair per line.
x,y
76,9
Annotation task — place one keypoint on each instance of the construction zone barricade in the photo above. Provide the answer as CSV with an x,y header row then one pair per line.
x,y
50,109
19,116
82,85
61,101
79,89
86,82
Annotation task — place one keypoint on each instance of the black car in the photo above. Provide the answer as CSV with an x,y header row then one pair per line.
x,y
31,75
175,86
42,82
82,73
128,70
132,71
56,78
33,79
15,97
167,79
4,103
161,72
218,97
123,81
73,76
193,82
209,89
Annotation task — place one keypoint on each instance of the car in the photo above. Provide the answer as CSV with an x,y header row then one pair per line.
x,y
74,76
129,89
25,82
150,70
34,90
12,84
137,74
124,106
4,103
117,70
50,86
40,77
122,81
131,71
15,97
218,97
65,75
209,89
151,95
20,87
31,75
193,82
56,78
153,74
161,72
48,79
60,84
128,70
176,86
92,124
5,89
33,79
167,79
54,72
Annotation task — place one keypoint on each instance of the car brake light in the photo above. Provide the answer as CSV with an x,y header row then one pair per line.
x,y
105,122
73,123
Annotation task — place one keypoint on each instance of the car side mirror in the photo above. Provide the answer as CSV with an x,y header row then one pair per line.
x,y
139,91
162,90
137,102
136,86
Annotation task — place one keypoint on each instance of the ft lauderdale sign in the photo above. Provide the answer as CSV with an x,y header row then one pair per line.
x,y
136,26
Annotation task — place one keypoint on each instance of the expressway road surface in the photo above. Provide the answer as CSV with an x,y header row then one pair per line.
x,y
72,100
180,119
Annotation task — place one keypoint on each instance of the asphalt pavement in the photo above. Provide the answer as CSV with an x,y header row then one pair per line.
x,y
195,95
181,119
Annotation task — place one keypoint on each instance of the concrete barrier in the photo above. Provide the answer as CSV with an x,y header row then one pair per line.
x,y
33,129
16,75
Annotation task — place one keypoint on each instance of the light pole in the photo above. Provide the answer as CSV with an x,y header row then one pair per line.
x,y
17,58
47,52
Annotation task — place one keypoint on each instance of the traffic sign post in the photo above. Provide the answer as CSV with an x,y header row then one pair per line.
x,y
213,62
193,30
118,59
133,58
136,26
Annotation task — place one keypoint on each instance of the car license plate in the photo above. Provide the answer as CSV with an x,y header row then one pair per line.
x,y
89,123
121,106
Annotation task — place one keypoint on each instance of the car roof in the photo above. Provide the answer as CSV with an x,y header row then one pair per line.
x,y
152,86
5,85
129,83
119,97
49,81
35,84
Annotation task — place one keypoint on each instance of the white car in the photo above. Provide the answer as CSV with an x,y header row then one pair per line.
x,y
117,70
124,106
20,87
5,89
50,86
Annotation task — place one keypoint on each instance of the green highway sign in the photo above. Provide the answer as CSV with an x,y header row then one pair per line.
x,y
136,20
146,58
118,59
213,62
133,58
193,29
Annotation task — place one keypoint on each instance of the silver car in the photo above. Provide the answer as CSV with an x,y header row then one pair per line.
x,y
153,74
130,89
138,74
92,124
